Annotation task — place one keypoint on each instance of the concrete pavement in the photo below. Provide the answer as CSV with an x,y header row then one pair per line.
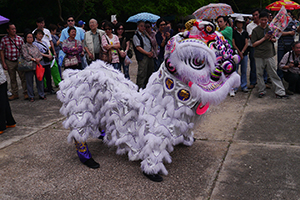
x,y
246,148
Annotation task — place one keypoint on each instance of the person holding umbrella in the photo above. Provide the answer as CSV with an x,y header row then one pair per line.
x,y
144,55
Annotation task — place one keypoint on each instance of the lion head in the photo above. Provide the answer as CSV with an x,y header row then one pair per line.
x,y
204,60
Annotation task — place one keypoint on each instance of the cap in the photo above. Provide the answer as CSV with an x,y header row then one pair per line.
x,y
239,18
80,23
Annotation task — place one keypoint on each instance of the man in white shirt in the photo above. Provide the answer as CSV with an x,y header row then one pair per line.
x,y
40,22
250,27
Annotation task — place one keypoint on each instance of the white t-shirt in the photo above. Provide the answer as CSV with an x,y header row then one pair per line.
x,y
250,28
47,37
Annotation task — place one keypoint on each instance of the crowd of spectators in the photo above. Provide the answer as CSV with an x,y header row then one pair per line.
x,y
70,46
254,39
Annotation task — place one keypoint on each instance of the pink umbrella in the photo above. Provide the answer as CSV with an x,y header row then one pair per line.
x,y
3,20
213,10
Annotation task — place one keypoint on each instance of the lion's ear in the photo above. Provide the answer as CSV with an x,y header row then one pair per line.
x,y
190,24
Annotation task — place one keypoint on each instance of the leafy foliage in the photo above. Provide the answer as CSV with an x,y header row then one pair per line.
x,y
24,12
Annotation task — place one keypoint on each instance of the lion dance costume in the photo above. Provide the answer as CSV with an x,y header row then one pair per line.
x,y
198,71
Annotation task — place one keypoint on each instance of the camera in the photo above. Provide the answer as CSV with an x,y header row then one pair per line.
x,y
296,63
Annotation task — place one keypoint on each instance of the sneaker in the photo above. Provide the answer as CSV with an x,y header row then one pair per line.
x,y
260,95
268,86
251,87
282,96
26,97
232,93
51,92
245,90
289,92
13,97
11,126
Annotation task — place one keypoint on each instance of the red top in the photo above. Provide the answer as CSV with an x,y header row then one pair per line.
x,y
11,52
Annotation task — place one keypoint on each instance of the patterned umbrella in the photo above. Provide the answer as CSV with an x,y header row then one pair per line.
x,y
213,10
289,5
144,16
3,20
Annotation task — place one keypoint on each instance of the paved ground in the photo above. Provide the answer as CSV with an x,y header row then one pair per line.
x,y
246,148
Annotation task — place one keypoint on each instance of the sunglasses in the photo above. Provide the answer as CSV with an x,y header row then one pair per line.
x,y
162,24
71,20
120,28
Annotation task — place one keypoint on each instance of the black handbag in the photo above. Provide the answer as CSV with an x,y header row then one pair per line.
x,y
24,65
129,53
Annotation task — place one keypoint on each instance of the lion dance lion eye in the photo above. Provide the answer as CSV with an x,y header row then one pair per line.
x,y
169,66
197,63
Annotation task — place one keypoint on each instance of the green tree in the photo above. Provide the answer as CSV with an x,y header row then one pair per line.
x,y
24,12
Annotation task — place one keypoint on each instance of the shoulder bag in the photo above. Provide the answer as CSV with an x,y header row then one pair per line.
x,y
46,59
106,56
23,64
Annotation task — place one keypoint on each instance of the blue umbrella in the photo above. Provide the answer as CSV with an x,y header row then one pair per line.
x,y
3,20
144,16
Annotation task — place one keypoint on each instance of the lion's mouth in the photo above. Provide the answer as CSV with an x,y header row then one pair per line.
x,y
211,86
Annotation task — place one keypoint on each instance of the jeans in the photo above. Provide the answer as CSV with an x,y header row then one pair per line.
x,y
156,64
125,69
243,65
116,66
280,54
252,66
160,60
84,63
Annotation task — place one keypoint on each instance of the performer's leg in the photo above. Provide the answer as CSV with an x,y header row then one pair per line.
x,y
101,137
85,155
154,177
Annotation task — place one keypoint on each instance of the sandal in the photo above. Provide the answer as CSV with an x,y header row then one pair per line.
x,y
31,99
43,98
